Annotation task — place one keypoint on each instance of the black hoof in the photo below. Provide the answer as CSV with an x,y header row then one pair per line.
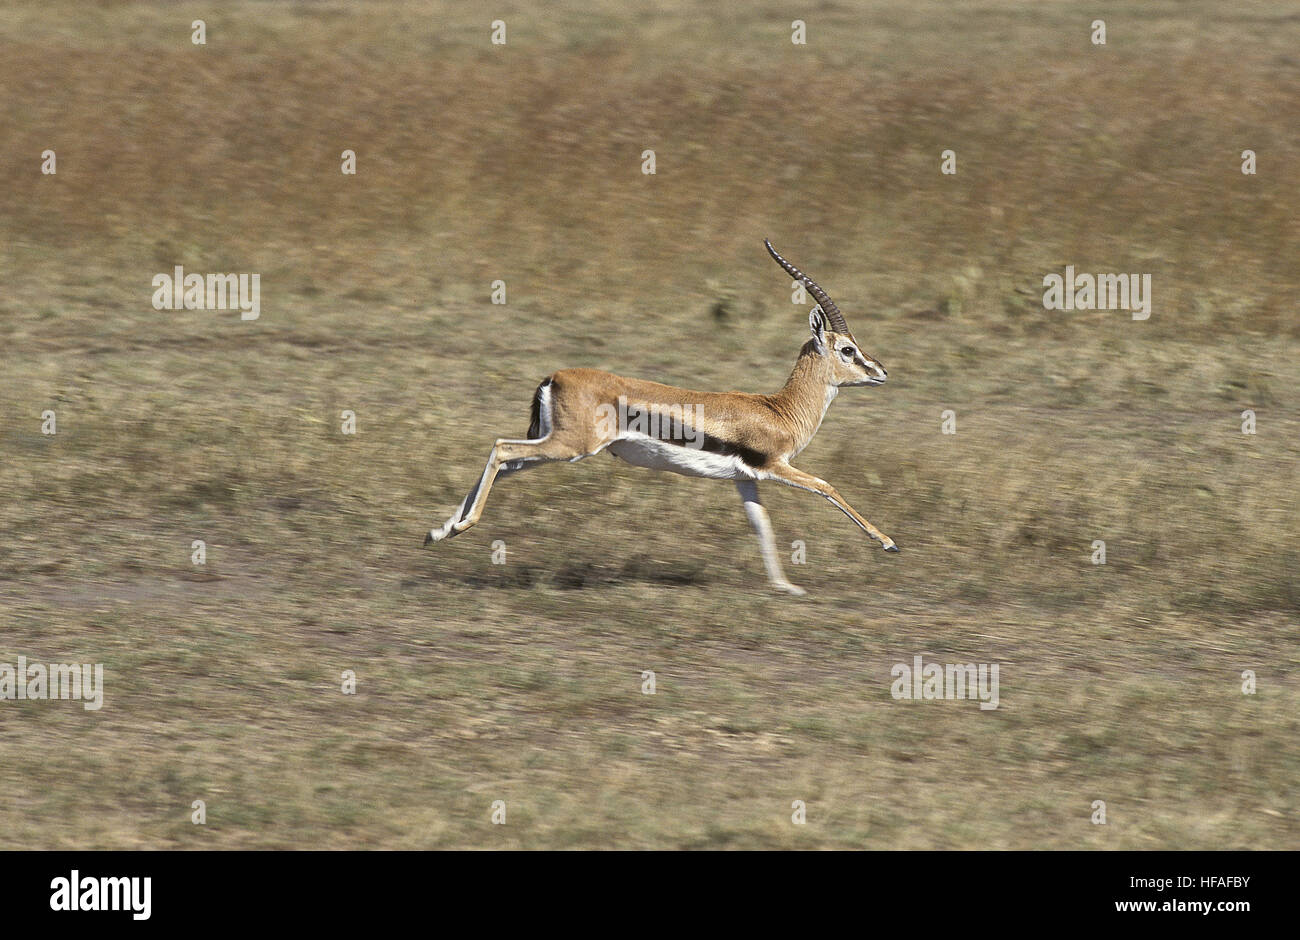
x,y
428,537
893,548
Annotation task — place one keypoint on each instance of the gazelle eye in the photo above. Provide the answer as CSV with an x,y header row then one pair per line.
x,y
847,352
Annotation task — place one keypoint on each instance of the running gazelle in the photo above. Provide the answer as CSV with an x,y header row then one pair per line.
x,y
721,435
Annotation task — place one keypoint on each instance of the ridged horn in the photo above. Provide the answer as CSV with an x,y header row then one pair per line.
x,y
833,315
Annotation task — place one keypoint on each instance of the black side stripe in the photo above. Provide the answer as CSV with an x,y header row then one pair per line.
x,y
747,455
678,432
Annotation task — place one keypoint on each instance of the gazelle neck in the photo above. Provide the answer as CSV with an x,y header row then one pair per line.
x,y
807,394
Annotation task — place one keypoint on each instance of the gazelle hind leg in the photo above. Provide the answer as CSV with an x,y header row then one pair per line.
x,y
766,542
507,457
446,530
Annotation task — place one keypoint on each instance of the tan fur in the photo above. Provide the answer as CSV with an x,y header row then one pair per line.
x,y
778,425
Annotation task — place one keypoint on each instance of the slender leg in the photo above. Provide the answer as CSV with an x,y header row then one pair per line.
x,y
507,457
806,481
763,527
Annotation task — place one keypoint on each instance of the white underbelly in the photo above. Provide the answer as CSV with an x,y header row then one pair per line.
x,y
678,458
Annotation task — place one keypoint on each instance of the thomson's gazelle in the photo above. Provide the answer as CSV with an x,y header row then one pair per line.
x,y
721,435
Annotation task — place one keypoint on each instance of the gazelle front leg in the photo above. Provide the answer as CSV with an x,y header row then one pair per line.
x,y
763,528
806,481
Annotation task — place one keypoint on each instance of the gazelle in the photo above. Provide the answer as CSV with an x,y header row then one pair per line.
x,y
720,435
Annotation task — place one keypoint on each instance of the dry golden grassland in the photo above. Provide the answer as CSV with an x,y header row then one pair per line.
x,y
521,682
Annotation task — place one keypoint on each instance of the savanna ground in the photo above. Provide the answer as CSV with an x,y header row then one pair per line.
x,y
521,682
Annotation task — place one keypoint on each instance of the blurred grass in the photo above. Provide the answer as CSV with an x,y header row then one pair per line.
x,y
521,682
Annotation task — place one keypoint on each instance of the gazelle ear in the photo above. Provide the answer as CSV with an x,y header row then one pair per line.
x,y
817,323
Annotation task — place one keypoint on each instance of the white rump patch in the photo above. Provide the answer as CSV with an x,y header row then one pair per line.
x,y
544,413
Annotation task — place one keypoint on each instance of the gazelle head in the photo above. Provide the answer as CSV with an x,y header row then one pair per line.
x,y
847,363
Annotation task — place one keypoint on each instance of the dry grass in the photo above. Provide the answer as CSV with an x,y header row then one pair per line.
x,y
521,682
